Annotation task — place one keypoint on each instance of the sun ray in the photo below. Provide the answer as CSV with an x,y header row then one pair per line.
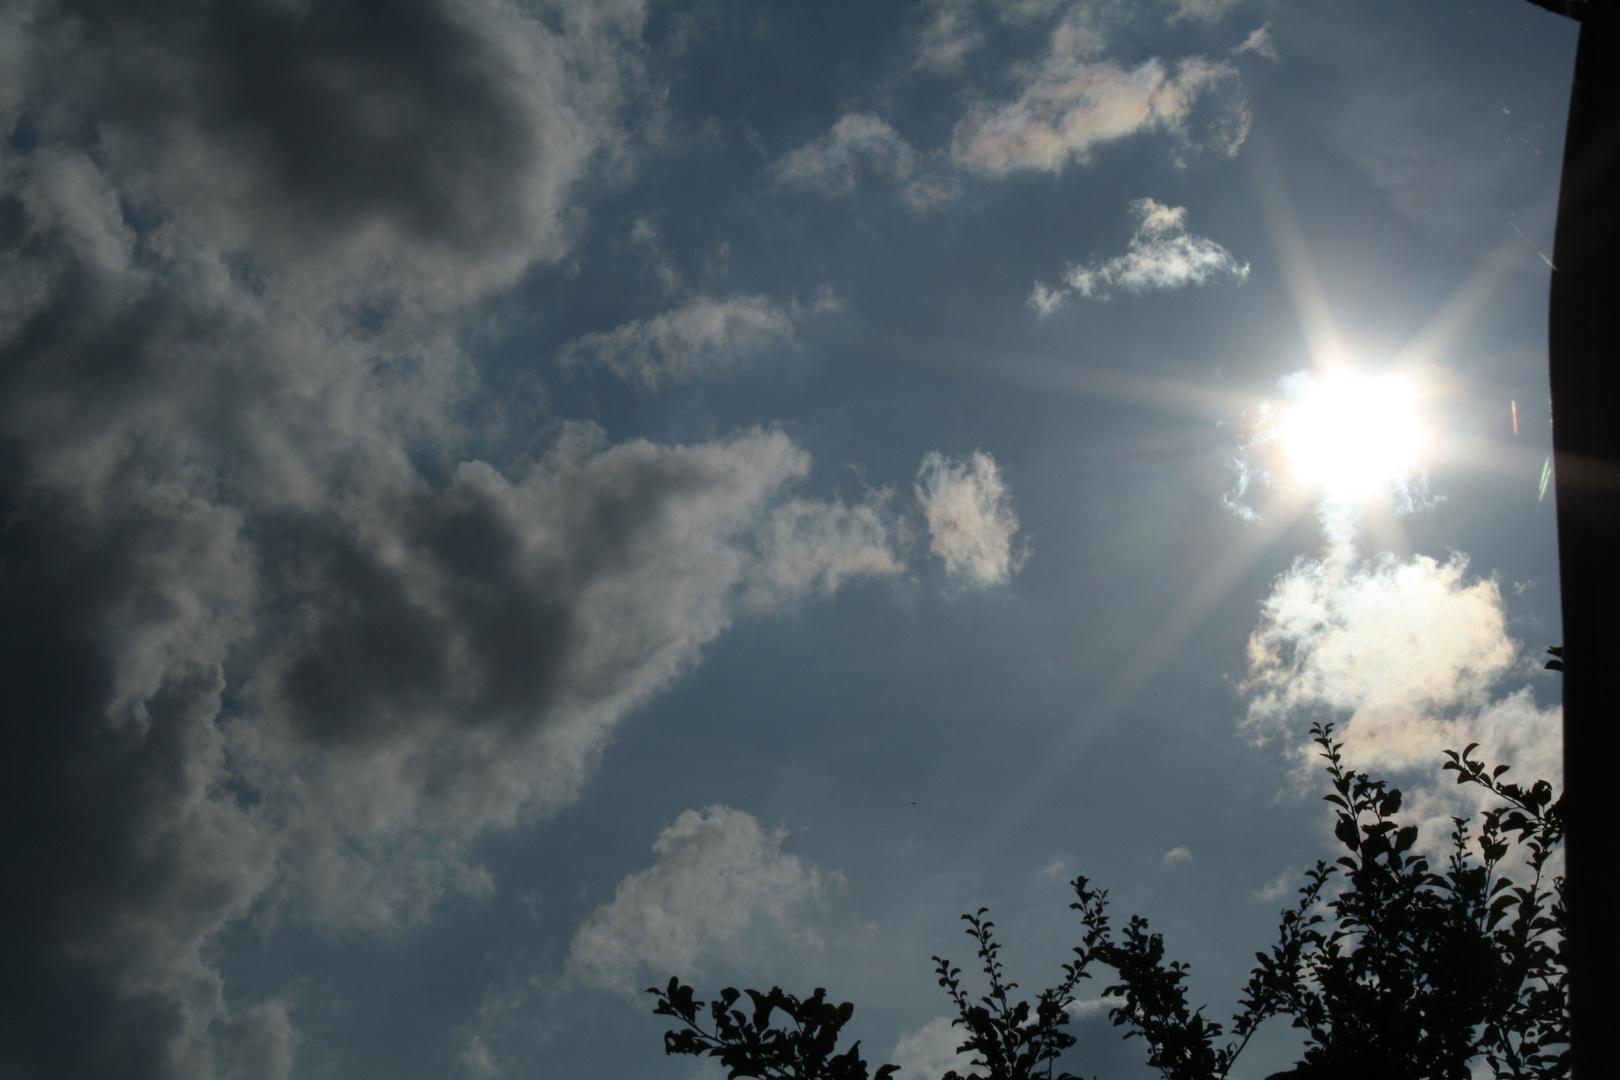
x,y
1322,338
1176,397
1147,659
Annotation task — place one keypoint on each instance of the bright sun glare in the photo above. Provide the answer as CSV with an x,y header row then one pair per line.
x,y
1351,435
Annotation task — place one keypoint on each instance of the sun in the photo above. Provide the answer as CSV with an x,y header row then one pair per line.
x,y
1352,436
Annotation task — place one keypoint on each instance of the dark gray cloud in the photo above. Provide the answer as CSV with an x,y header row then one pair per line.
x,y
270,651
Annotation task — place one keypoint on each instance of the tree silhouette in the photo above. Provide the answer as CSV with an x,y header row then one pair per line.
x,y
1391,967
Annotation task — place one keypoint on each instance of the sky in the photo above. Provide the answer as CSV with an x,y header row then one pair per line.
x,y
507,501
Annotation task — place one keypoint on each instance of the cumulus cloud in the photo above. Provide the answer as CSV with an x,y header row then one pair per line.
x,y
720,882
930,1052
1161,255
1073,100
1512,730
1405,656
971,523
701,336
1178,854
282,636
1400,646
858,143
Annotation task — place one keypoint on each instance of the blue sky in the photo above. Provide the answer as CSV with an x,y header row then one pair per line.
x,y
507,502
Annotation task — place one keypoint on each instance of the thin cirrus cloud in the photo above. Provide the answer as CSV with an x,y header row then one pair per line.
x,y
953,30
832,165
971,523
860,145
1162,254
1205,11
951,33
701,336
721,883
272,665
1260,43
1073,101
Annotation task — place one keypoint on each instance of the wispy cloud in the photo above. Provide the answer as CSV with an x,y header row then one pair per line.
x,y
1205,11
1259,42
951,33
701,336
971,523
1161,255
928,193
858,144
1177,855
1282,885
1073,100
720,881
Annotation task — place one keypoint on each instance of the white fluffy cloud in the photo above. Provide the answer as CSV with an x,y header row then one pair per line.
x,y
1399,645
833,164
930,1052
721,883
971,523
1161,255
676,346
1074,100
1405,657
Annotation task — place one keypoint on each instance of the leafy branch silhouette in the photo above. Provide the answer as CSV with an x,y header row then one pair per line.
x,y
1390,967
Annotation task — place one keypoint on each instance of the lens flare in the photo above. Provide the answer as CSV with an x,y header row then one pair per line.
x,y
1352,436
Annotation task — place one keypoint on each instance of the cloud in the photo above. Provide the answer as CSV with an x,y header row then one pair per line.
x,y
1045,300
1089,1007
676,346
833,164
1284,884
1259,42
720,882
971,523
1161,255
928,193
1073,101
810,545
1512,730
930,1052
284,633
953,31
1177,855
1205,11
950,35
1401,646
